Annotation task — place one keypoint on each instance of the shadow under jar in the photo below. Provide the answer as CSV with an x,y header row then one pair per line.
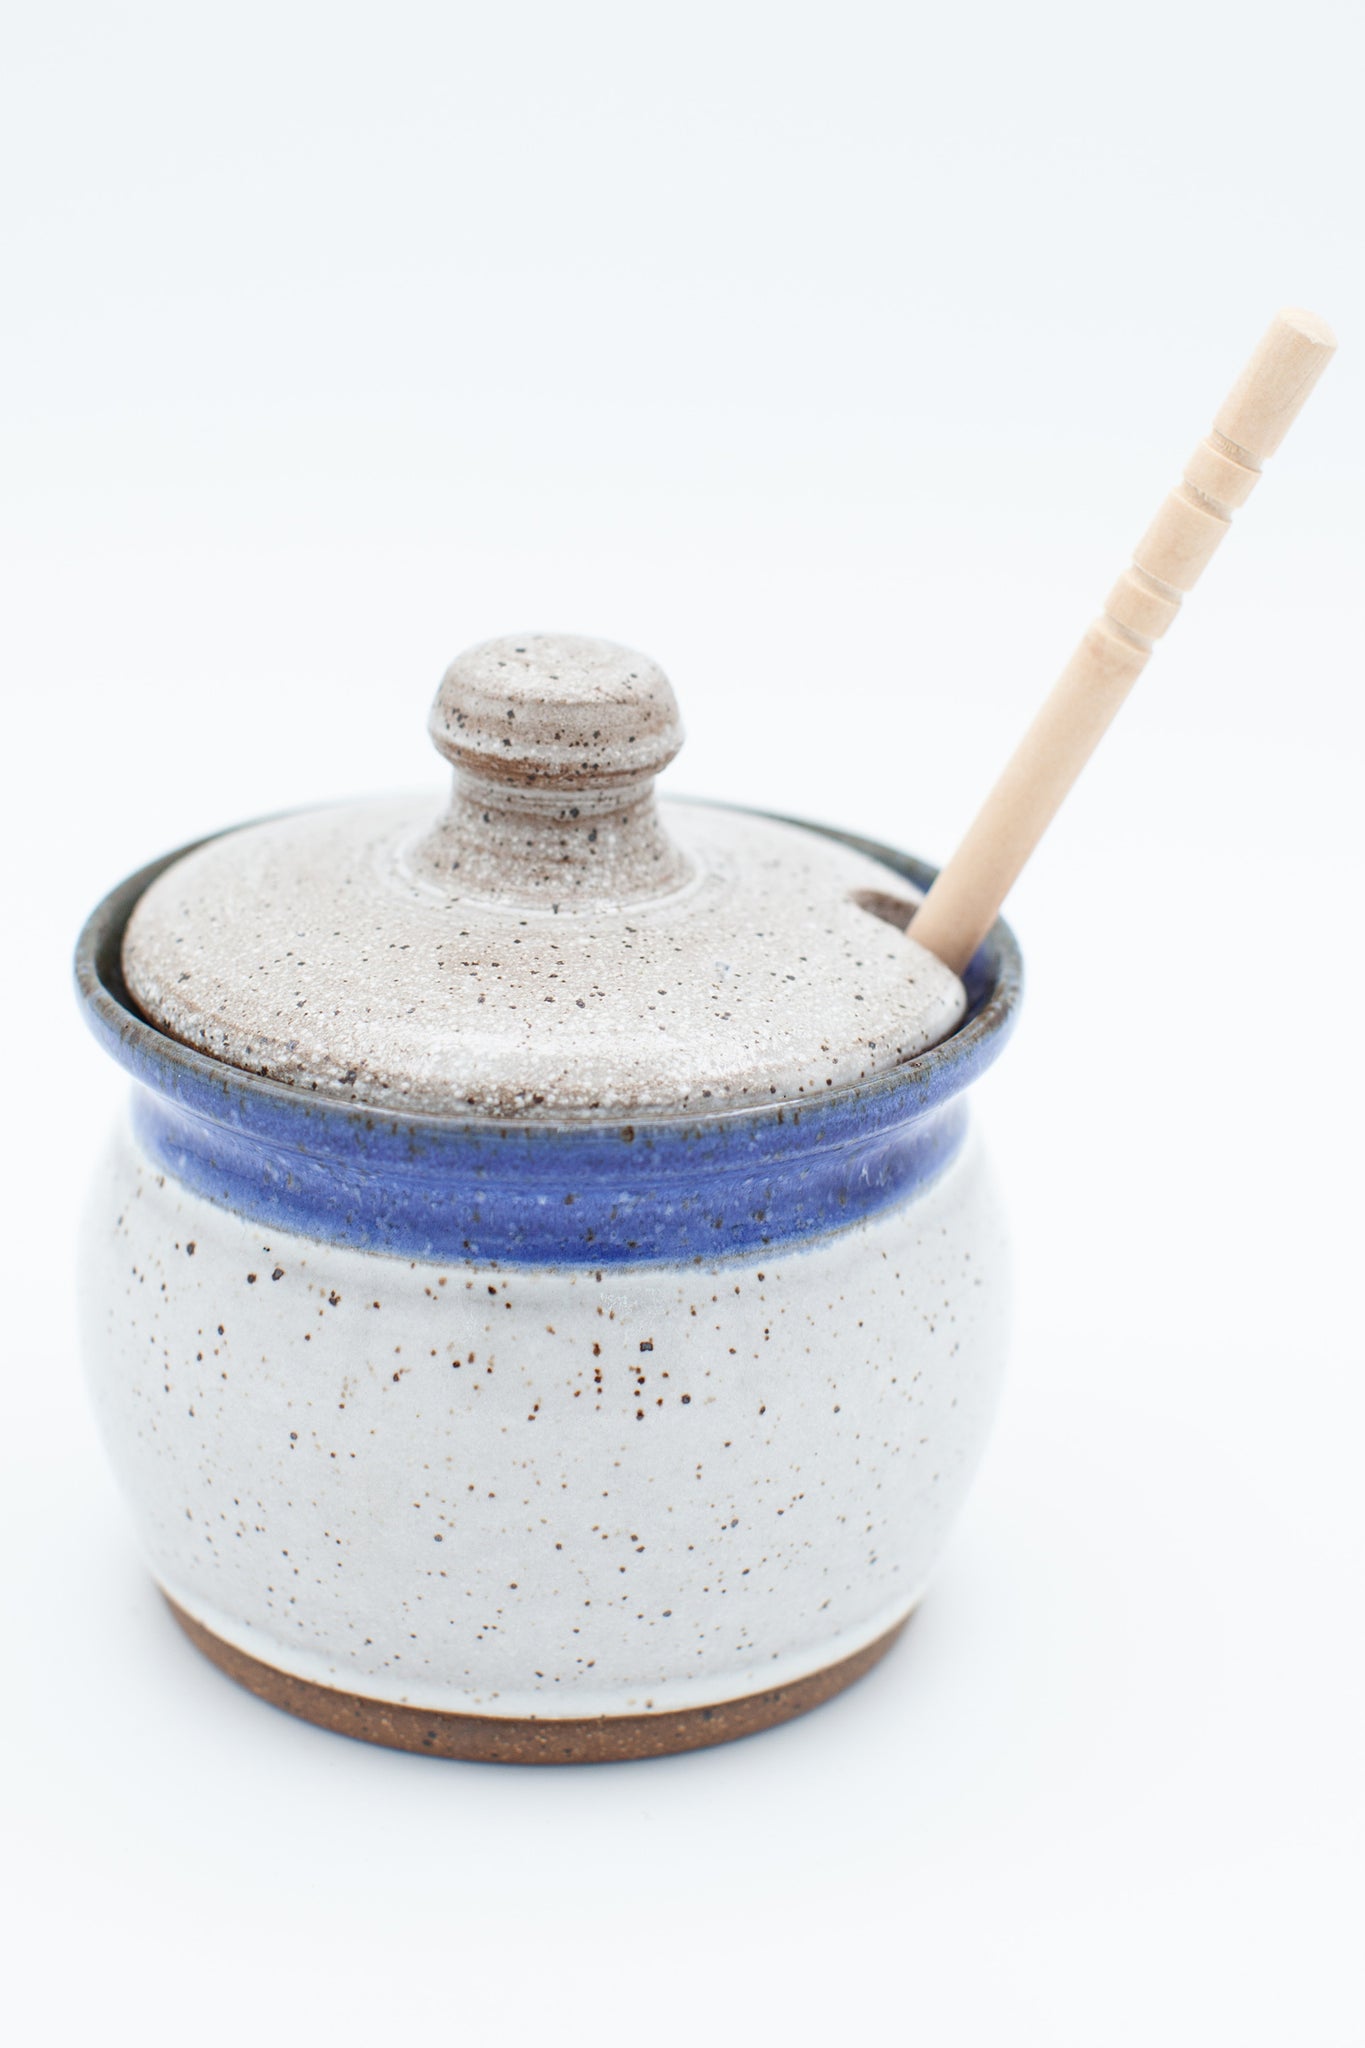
x,y
545,1301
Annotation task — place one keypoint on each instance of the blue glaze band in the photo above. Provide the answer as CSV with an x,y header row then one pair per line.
x,y
545,1193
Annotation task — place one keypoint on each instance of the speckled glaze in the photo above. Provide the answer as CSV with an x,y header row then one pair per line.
x,y
509,1491
535,1491
554,941
545,1300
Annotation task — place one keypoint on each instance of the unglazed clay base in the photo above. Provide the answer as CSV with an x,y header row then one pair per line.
x,y
491,1738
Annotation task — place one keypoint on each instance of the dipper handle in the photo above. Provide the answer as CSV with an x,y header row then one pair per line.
x,y
962,905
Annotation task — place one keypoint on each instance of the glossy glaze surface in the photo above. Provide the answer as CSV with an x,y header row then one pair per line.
x,y
543,1490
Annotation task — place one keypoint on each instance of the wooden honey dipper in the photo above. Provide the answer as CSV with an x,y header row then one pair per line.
x,y
961,906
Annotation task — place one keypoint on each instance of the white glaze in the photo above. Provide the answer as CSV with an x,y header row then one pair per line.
x,y
762,1492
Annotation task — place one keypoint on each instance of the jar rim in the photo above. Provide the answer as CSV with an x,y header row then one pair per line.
x,y
567,1191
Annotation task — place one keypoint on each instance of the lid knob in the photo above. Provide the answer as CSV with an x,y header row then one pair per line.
x,y
556,711
555,740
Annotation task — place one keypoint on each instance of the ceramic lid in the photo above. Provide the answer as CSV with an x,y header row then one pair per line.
x,y
554,940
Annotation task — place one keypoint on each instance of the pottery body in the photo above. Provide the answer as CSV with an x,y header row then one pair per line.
x,y
435,1427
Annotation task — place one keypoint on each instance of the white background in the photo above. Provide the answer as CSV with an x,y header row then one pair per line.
x,y
837,357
